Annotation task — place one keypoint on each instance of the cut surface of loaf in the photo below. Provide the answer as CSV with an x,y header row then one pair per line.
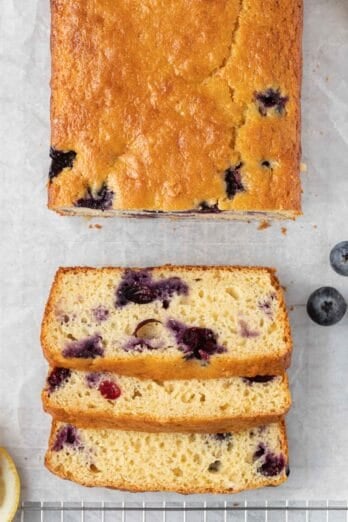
x,y
168,322
182,462
211,405
186,108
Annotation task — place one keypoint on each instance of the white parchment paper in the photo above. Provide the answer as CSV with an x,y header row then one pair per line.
x,y
34,242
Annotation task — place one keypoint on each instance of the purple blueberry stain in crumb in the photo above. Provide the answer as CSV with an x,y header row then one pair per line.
x,y
233,180
259,452
270,99
97,200
60,160
93,379
195,342
246,331
67,436
339,258
135,287
140,288
272,465
258,379
100,314
88,348
168,287
57,378
266,305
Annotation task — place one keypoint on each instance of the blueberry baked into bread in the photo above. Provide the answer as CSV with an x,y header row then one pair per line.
x,y
186,463
176,108
106,400
168,322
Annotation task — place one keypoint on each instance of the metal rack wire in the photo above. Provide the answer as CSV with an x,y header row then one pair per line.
x,y
228,511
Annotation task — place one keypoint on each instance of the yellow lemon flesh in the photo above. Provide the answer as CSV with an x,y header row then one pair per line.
x,y
9,487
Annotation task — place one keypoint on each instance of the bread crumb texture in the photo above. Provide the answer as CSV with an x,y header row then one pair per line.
x,y
168,322
105,399
188,463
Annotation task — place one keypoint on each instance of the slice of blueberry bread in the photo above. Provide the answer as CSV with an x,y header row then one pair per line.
x,y
226,462
105,400
168,322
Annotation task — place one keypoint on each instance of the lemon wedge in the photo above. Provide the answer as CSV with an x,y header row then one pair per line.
x,y
9,487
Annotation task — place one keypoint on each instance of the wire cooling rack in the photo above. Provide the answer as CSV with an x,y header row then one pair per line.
x,y
287,511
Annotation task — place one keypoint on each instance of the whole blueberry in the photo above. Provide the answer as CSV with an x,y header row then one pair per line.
x,y
196,343
326,306
200,342
339,258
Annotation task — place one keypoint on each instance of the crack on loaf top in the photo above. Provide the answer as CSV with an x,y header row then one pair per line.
x,y
232,41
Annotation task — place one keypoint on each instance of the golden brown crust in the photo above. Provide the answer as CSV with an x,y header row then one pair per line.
x,y
134,488
176,367
113,484
163,144
217,424
152,425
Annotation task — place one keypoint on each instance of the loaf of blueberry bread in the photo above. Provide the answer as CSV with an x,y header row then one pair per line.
x,y
107,400
168,322
226,462
176,108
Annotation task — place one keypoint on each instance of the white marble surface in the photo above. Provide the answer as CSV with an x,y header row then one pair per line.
x,y
35,242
